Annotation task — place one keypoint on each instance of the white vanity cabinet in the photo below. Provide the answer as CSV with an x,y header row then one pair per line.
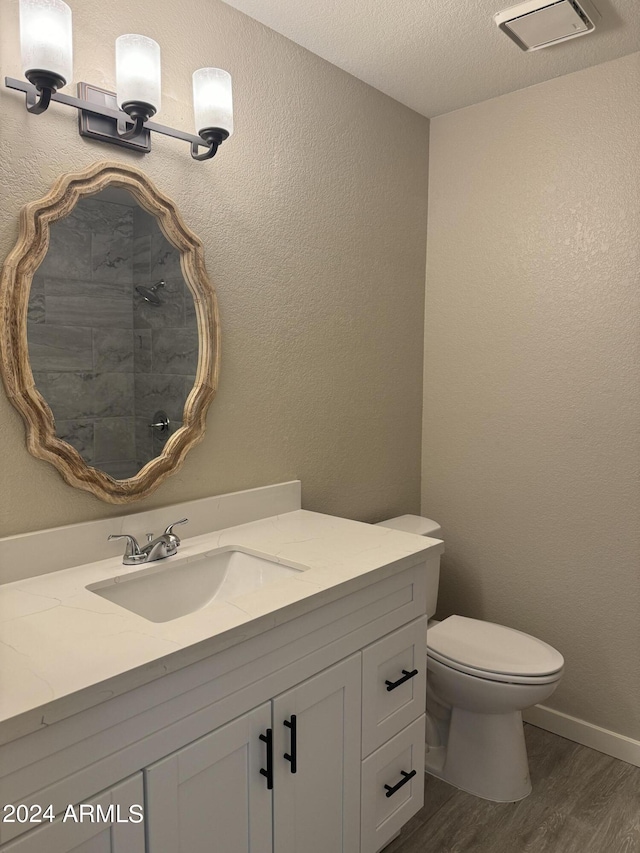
x,y
284,777
316,679
289,776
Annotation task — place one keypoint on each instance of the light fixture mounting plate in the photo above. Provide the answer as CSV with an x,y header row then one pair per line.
x,y
105,128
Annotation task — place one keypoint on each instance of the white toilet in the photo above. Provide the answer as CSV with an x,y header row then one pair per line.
x,y
480,677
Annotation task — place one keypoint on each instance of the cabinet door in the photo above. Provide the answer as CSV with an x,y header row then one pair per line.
x,y
317,808
101,827
210,796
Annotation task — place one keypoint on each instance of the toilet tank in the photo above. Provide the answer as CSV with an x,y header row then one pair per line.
x,y
414,524
421,527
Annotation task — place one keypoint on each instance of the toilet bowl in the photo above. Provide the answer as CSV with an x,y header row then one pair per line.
x,y
480,677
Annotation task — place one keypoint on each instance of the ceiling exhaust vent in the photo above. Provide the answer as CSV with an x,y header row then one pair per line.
x,y
536,24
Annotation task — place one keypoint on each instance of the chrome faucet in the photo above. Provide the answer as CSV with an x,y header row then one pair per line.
x,y
156,549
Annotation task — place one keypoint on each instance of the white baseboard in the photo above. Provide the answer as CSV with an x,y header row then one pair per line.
x,y
611,743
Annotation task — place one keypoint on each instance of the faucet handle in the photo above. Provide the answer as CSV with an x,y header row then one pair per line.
x,y
132,549
173,536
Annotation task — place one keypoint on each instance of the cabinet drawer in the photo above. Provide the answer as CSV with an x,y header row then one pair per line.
x,y
393,659
385,812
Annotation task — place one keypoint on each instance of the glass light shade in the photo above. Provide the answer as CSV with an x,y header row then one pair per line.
x,y
138,71
212,100
46,38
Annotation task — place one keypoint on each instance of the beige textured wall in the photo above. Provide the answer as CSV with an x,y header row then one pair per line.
x,y
313,218
532,374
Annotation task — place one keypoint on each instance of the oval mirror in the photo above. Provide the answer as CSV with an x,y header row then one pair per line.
x,y
111,347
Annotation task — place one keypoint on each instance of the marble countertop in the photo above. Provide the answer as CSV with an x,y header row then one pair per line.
x,y
63,648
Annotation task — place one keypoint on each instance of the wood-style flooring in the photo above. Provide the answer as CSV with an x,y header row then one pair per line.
x,y
582,802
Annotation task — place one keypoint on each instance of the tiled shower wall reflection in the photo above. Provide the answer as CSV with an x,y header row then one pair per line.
x,y
165,336
105,360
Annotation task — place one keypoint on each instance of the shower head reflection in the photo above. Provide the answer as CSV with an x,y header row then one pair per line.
x,y
149,294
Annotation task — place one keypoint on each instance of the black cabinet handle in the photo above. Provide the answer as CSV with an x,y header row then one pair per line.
x,y
405,778
406,675
268,739
292,757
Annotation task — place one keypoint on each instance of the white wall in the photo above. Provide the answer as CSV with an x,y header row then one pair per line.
x,y
531,443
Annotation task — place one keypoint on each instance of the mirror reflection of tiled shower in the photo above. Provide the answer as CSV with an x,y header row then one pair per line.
x,y
104,357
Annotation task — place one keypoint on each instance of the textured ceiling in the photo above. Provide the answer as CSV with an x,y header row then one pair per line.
x,y
439,55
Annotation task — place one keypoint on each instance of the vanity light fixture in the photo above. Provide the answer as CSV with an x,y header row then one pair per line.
x,y
46,47
137,80
120,118
213,107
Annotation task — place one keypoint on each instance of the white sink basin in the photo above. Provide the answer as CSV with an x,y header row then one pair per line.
x,y
167,589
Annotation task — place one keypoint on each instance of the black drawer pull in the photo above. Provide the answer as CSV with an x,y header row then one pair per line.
x,y
268,739
406,675
405,778
292,757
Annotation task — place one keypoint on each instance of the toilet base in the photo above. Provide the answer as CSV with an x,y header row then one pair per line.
x,y
485,755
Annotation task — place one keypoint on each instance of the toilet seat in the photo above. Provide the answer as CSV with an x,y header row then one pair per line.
x,y
496,676
493,652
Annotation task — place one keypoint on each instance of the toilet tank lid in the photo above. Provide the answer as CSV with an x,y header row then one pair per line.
x,y
413,524
493,648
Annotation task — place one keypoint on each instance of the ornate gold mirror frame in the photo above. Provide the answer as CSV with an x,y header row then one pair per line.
x,y
15,285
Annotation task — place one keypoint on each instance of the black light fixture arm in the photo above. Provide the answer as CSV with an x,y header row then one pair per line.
x,y
45,85
39,97
213,137
37,104
139,113
134,131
